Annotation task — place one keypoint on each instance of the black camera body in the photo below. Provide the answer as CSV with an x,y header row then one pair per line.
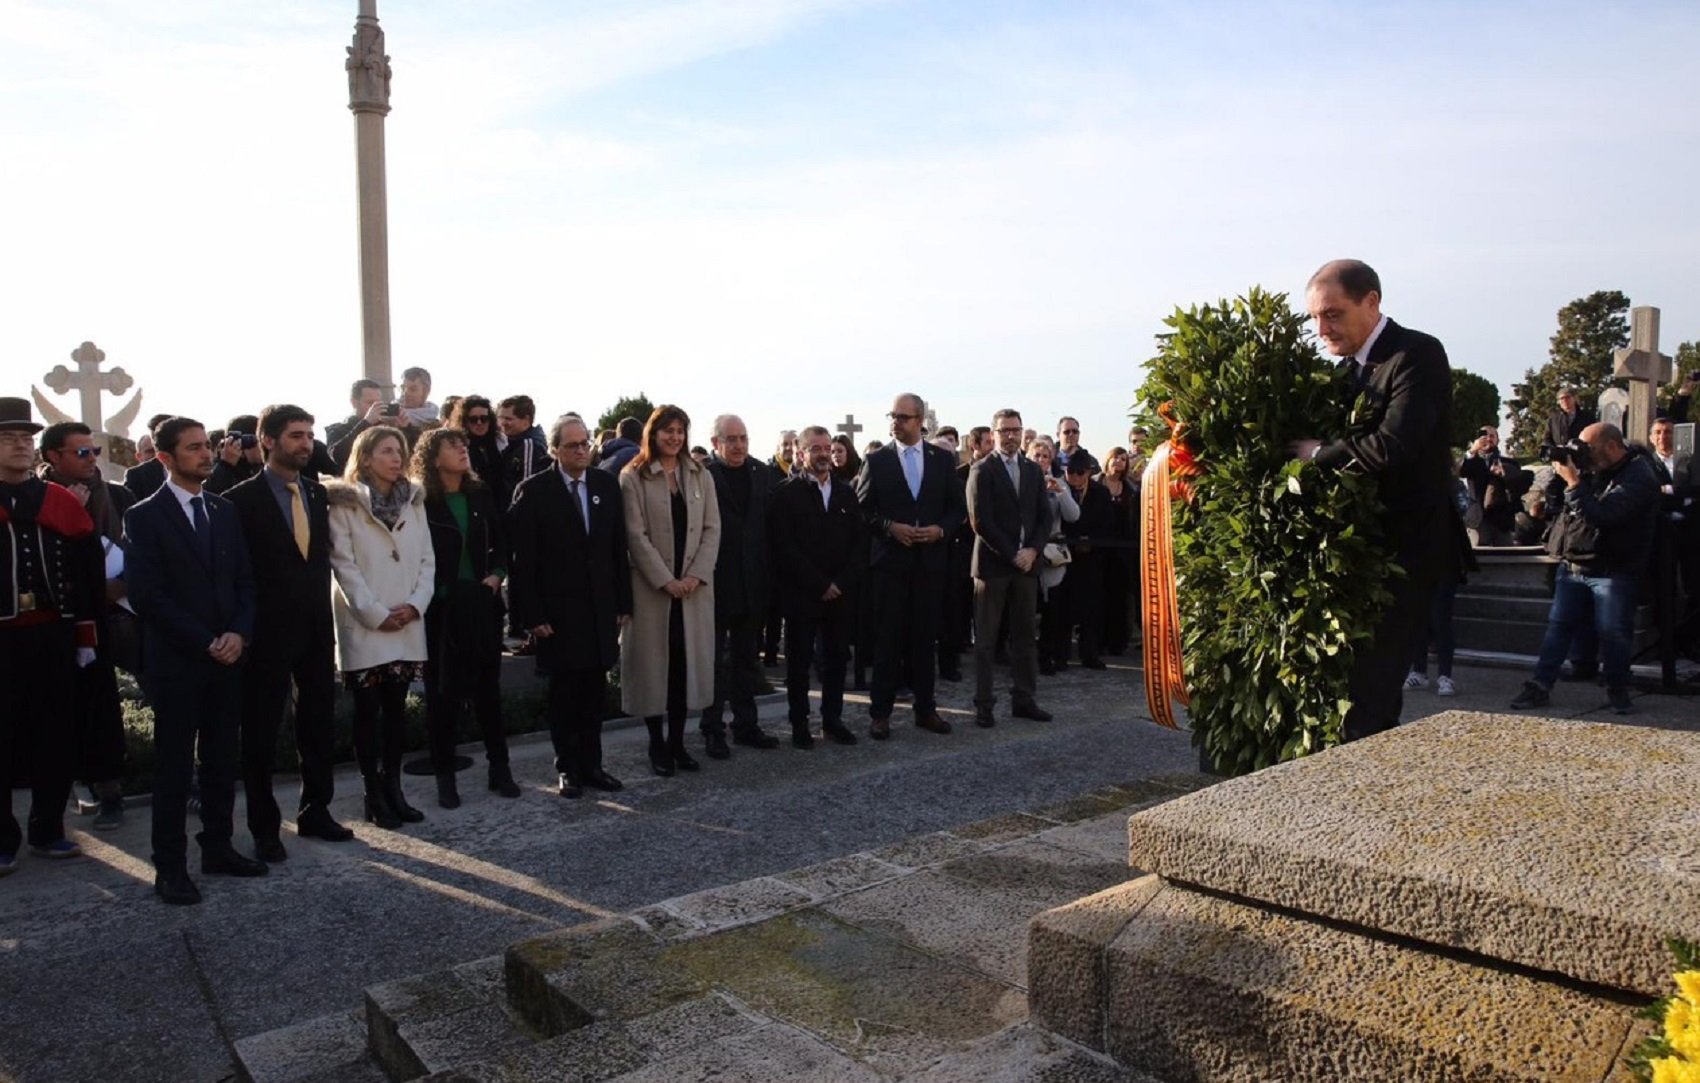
x,y
392,409
247,440
1572,452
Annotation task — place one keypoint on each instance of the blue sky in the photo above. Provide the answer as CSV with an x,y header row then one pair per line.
x,y
795,208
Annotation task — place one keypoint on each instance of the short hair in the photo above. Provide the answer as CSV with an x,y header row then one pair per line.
x,y
808,431
156,421
416,373
920,403
1610,433
1657,421
1066,417
274,419
521,405
948,430
1566,390
562,422
979,433
170,431
364,445
360,386
1354,277
630,428
1005,414
720,421
53,437
247,423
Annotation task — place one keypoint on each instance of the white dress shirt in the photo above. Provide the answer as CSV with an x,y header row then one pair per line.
x,y
184,496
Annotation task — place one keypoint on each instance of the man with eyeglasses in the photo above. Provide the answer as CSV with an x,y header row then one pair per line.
x,y
912,503
1068,445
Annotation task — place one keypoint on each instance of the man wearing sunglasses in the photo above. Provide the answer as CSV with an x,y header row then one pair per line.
x,y
71,458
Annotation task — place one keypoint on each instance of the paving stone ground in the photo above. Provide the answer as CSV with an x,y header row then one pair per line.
x,y
98,981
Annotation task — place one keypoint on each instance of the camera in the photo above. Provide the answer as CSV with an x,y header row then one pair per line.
x,y
246,440
392,409
1573,452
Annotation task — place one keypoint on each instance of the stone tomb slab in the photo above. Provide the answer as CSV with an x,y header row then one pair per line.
x,y
1568,847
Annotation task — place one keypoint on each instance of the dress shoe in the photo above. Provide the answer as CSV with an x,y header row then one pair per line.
x,y
502,780
398,800
950,673
230,863
802,738
318,824
838,733
448,794
571,787
1533,695
983,718
683,761
662,764
1620,701
754,737
602,780
176,889
1030,710
718,749
1093,663
931,722
270,851
879,728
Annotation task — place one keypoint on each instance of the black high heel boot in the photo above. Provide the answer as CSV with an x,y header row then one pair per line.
x,y
448,794
502,780
378,810
398,801
660,758
676,746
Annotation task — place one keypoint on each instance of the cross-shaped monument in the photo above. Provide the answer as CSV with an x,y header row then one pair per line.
x,y
850,428
1646,368
90,383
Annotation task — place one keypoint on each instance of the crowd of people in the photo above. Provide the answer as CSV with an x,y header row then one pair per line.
x,y
240,573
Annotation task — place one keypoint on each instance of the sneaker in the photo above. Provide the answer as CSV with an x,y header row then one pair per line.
x,y
1443,686
111,814
1620,701
57,849
1533,695
1414,679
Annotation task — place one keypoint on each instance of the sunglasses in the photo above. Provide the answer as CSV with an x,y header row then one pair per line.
x,y
87,453
904,417
478,419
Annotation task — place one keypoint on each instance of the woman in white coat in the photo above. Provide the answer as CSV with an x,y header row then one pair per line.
x,y
385,572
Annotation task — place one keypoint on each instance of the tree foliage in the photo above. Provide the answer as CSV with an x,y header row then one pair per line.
x,y
1279,563
637,406
1475,402
1589,330
1685,360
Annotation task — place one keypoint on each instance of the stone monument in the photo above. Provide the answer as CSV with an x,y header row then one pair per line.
x,y
850,427
1613,407
1646,369
90,383
1467,897
368,69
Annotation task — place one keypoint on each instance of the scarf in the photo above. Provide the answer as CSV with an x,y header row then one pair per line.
x,y
387,509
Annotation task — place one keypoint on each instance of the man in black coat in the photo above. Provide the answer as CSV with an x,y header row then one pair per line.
x,y
570,585
1497,485
912,504
526,451
1079,599
286,524
1567,422
1010,513
743,487
816,529
1401,388
193,589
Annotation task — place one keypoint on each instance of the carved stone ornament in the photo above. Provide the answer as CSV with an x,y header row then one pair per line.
x,y
368,69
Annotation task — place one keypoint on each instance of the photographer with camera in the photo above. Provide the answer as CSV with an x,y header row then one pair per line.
x,y
240,456
1496,481
1603,539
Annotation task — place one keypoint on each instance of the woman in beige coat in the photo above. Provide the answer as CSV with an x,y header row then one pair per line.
x,y
385,572
673,533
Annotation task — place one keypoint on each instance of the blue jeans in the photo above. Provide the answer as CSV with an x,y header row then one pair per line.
x,y
1583,604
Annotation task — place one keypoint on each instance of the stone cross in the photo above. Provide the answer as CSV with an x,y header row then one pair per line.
x,y
90,382
850,428
1646,368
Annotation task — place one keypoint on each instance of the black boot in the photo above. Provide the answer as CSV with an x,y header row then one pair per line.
x,y
378,810
676,745
660,759
502,780
398,801
448,796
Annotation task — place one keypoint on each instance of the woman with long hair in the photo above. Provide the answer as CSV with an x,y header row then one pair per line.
x,y
385,571
463,627
673,535
846,464
1120,548
476,419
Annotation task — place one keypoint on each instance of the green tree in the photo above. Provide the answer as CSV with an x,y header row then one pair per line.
x,y
1684,361
637,406
1475,402
1589,329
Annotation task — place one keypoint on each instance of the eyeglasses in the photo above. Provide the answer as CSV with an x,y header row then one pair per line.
x,y
1010,432
87,452
734,439
903,417
1071,432
575,445
478,419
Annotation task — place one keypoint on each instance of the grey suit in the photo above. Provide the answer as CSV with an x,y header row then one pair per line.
x,y
1006,520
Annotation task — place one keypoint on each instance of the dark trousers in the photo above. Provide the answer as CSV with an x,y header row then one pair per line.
x,y
1439,633
1119,583
575,720
444,707
199,710
100,751
1379,666
1078,601
37,674
828,626
956,623
265,694
907,631
737,668
380,727
1019,596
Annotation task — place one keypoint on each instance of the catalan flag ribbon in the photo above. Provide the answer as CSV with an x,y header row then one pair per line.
x,y
1166,479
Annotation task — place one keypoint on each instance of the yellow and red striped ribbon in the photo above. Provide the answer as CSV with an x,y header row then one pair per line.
x,y
1164,481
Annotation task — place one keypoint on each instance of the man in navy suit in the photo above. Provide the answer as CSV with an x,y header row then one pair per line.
x,y
192,587
912,504
1401,386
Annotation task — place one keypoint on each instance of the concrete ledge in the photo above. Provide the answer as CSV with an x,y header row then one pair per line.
x,y
1066,986
1567,847
431,1022
1202,989
602,970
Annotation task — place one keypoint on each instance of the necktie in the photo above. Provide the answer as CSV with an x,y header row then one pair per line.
x,y
912,469
578,505
298,517
1013,466
203,528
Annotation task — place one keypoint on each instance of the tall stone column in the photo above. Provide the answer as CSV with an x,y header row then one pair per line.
x,y
369,99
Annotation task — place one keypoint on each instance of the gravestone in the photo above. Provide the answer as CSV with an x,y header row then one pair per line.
x,y
1470,896
850,427
1614,407
90,383
1646,369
